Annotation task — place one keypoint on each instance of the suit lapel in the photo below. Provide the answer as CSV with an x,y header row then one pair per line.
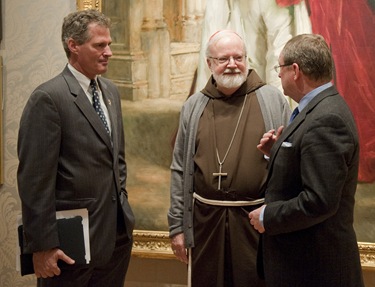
x,y
109,101
86,108
297,122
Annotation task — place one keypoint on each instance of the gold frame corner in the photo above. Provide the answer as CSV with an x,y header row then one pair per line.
x,y
89,4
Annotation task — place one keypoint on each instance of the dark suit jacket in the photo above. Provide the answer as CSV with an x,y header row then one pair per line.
x,y
309,238
67,161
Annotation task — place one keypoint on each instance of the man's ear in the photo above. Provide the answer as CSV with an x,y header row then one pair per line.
x,y
209,64
297,71
72,45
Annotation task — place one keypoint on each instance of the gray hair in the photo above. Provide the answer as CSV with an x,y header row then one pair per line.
x,y
75,26
312,54
218,36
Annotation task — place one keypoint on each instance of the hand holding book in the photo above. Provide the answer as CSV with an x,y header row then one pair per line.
x,y
45,262
73,232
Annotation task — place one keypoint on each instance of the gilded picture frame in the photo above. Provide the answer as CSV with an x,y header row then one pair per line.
x,y
89,4
155,243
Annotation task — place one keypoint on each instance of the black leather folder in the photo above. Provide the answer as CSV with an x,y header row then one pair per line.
x,y
70,231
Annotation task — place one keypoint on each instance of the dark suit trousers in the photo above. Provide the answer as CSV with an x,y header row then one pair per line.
x,y
111,274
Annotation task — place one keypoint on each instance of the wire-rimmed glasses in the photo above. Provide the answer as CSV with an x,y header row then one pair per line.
x,y
277,67
225,60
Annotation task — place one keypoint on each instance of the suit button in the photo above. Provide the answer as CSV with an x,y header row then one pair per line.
x,y
113,198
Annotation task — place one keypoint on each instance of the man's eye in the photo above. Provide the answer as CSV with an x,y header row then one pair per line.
x,y
101,45
223,60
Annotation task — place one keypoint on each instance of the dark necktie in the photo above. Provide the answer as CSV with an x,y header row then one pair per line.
x,y
294,114
96,104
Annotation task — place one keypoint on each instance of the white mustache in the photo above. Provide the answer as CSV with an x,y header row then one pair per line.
x,y
232,71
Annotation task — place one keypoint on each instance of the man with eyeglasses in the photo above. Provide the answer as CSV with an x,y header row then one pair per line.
x,y
217,172
265,26
307,220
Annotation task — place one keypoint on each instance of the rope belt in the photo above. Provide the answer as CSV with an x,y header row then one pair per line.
x,y
227,202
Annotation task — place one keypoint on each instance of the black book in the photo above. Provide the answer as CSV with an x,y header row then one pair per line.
x,y
70,232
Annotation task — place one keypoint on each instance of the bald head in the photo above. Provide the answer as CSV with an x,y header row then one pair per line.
x,y
227,35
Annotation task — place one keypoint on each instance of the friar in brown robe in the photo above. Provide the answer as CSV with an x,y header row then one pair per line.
x,y
217,172
225,242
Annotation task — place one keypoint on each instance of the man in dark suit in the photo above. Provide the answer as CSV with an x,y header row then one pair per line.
x,y
307,219
71,155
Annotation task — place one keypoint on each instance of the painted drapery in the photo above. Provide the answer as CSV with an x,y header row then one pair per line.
x,y
348,27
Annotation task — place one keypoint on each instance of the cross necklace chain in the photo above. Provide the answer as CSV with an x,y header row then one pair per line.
x,y
220,174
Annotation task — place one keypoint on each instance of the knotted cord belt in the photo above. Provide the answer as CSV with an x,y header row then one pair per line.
x,y
228,202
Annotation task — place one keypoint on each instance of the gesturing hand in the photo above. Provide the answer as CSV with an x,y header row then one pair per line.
x,y
268,139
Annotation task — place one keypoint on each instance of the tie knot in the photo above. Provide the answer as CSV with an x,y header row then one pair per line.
x,y
93,84
294,114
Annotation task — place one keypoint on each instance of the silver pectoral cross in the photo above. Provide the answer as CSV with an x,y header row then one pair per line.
x,y
219,174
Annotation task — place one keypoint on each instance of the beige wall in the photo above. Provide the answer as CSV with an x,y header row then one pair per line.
x,y
32,53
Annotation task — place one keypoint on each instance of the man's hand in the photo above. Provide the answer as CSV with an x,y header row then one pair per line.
x,y
178,247
45,262
254,217
268,139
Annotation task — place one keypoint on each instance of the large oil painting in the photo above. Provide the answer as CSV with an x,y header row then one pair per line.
x,y
158,62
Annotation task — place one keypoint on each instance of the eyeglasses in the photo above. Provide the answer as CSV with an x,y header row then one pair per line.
x,y
277,67
225,60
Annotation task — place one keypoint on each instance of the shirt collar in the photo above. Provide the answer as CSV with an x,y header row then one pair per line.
x,y
309,96
81,78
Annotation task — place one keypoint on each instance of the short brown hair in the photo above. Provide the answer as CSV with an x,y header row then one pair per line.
x,y
312,54
75,26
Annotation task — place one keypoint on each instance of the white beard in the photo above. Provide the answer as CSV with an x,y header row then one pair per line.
x,y
230,80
